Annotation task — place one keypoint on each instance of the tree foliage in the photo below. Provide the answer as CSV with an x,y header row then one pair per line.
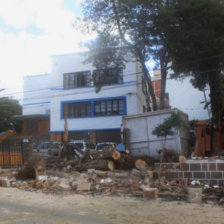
x,y
9,108
170,124
196,45
128,25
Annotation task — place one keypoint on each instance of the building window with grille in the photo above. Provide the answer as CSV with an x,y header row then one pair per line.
x,y
76,79
108,76
77,109
109,107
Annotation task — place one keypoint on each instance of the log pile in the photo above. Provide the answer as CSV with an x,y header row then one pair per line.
x,y
110,159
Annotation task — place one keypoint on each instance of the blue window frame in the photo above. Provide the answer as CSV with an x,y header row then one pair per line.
x,y
94,107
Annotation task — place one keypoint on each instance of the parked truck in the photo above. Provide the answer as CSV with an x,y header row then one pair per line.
x,y
138,138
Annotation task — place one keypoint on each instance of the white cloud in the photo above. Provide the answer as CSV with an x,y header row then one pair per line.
x,y
24,53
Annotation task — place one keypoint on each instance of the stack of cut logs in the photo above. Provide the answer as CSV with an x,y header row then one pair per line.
x,y
111,159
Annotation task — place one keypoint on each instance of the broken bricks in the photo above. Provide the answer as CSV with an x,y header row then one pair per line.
x,y
4,182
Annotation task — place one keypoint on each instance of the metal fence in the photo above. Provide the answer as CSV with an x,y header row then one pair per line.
x,y
11,154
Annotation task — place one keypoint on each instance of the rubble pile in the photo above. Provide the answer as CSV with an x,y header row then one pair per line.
x,y
129,183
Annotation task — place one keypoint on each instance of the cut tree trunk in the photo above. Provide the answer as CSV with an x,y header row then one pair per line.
x,y
116,155
139,164
126,162
96,164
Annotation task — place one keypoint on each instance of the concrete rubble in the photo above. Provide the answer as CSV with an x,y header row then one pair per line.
x,y
63,177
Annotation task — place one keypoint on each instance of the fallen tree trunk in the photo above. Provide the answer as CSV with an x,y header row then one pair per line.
x,y
96,164
126,162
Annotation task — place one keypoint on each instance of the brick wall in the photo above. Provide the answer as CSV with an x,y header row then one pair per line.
x,y
211,172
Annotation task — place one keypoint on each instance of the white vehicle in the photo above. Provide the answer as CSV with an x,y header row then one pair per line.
x,y
101,145
82,144
48,148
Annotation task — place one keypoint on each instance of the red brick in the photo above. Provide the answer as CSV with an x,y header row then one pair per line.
x,y
151,193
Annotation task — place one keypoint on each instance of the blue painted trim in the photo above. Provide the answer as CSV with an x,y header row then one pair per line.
x,y
92,107
28,104
105,129
123,83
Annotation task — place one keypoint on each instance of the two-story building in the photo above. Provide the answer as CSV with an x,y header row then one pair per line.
x,y
69,93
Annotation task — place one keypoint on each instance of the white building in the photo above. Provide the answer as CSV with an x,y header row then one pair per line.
x,y
183,95
69,93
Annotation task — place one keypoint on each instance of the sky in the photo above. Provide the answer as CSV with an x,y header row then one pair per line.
x,y
30,32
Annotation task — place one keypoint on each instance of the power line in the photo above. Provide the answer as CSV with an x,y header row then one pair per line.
x,y
136,73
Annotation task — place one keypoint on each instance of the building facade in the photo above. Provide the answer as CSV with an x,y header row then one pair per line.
x,y
69,93
181,94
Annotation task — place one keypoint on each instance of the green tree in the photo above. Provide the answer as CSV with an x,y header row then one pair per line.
x,y
128,27
9,108
196,45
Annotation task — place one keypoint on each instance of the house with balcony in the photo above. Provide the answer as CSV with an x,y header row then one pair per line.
x,y
69,93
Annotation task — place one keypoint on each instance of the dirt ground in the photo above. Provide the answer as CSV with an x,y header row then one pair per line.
x,y
17,206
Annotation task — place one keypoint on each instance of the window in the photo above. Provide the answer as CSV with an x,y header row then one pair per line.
x,y
79,109
108,76
94,107
77,79
109,107
32,125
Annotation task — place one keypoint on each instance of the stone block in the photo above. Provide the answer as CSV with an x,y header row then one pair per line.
x,y
216,175
188,175
195,166
220,166
221,183
204,166
151,193
180,174
194,194
4,182
213,182
83,186
208,176
212,166
199,175
171,175
184,166
64,185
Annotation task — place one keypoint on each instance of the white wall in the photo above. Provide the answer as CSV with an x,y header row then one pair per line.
x,y
74,63
184,96
36,94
